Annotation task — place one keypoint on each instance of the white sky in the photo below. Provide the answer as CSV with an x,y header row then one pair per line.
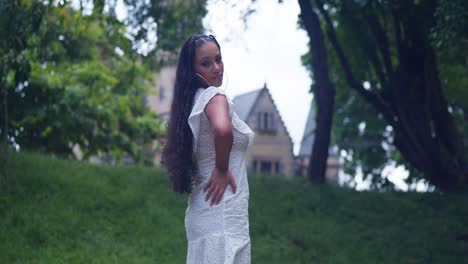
x,y
268,50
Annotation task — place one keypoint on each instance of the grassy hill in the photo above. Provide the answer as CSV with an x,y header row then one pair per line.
x,y
71,212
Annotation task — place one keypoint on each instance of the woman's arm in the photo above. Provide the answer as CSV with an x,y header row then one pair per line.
x,y
217,111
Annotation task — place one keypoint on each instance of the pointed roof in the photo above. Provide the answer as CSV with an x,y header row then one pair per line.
x,y
243,104
309,134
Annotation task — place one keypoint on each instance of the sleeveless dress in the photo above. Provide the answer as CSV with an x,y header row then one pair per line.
x,y
218,234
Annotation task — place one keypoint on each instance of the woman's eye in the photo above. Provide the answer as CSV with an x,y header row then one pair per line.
x,y
205,64
219,60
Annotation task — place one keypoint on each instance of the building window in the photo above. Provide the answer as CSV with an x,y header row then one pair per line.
x,y
277,167
265,167
266,122
254,166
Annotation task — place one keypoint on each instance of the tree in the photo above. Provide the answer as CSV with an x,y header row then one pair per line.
x,y
23,20
81,83
171,21
390,64
81,76
323,91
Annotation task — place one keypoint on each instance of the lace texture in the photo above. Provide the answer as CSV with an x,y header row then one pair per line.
x,y
218,233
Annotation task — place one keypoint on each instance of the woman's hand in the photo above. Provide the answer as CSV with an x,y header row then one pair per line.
x,y
217,184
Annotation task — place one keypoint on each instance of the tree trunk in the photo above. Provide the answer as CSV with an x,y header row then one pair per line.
x,y
324,94
427,134
5,141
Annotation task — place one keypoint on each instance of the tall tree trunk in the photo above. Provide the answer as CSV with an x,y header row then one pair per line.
x,y
324,94
427,133
5,140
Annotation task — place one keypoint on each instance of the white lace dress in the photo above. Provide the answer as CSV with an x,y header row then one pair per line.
x,y
218,234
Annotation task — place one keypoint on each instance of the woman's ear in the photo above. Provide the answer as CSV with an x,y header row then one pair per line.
x,y
202,79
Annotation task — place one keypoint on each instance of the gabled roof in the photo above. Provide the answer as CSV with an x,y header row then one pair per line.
x,y
243,104
309,133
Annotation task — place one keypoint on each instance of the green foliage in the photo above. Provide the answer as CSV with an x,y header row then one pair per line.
x,y
364,138
451,44
80,82
358,130
71,212
172,21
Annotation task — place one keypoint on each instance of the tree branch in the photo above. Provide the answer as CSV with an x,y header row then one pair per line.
x,y
373,98
398,37
382,41
377,67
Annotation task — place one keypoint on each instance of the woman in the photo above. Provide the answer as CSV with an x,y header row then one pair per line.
x,y
205,156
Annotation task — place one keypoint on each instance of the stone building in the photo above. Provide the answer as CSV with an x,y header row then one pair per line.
x,y
160,102
272,149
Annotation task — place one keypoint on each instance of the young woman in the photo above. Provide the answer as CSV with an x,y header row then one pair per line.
x,y
205,157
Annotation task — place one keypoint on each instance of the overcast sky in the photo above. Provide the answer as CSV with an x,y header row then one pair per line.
x,y
268,51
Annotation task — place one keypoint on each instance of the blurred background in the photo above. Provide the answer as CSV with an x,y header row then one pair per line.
x,y
359,108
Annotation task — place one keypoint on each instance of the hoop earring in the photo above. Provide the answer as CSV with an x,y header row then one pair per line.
x,y
203,78
227,81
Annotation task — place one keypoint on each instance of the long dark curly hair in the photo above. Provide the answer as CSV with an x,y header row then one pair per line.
x,y
177,154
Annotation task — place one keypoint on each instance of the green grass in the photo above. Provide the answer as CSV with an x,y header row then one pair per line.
x,y
70,212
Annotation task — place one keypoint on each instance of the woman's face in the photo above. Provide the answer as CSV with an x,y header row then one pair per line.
x,y
209,64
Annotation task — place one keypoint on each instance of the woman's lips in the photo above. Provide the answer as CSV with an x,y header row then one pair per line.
x,y
218,78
